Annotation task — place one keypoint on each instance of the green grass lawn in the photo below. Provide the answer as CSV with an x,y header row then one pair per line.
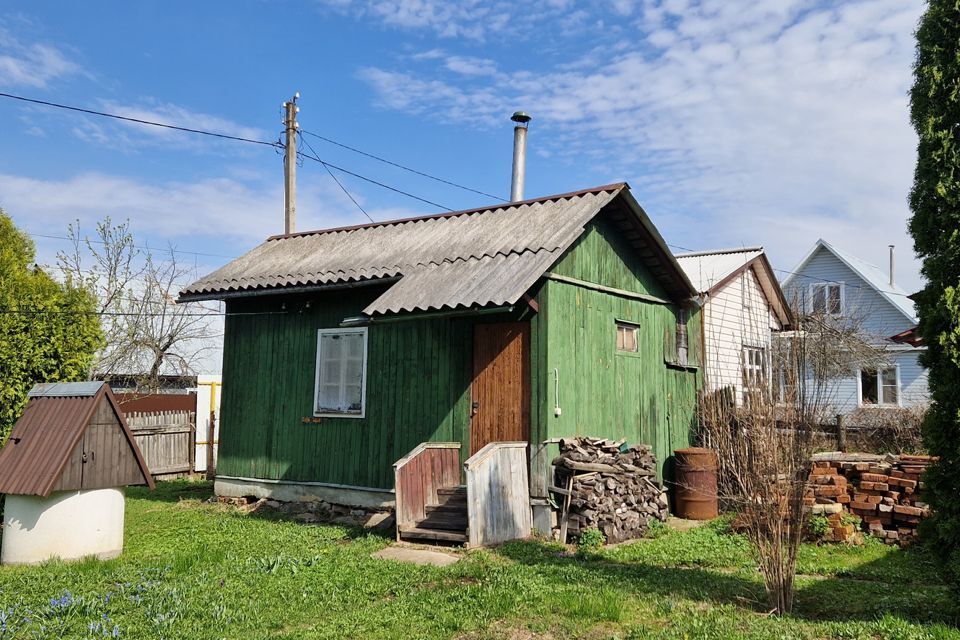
x,y
195,570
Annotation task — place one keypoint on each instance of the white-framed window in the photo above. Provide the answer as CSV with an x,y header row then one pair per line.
x,y
754,370
341,378
827,298
880,387
627,337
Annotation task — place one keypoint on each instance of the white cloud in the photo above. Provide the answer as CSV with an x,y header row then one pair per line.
x,y
226,215
130,136
471,66
466,19
32,65
777,125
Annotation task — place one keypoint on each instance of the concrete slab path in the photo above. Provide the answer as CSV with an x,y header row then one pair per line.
x,y
417,556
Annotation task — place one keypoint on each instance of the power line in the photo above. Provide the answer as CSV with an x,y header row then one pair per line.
x,y
372,181
405,168
138,120
144,247
339,184
210,314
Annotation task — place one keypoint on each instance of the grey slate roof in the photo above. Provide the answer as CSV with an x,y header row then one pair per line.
x,y
710,271
706,268
461,259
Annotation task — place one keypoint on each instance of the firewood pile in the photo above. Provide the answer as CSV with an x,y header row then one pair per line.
x,y
606,486
885,491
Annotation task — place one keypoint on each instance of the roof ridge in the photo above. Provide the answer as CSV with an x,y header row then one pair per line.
x,y
450,214
715,252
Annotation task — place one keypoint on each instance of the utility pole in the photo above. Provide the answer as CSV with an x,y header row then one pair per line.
x,y
290,165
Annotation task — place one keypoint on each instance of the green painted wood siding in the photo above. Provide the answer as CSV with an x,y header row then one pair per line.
x,y
602,256
603,392
418,377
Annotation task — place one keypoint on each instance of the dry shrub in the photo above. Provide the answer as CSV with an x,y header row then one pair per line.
x,y
887,430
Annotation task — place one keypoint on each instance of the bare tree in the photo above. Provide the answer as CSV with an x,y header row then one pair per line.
x,y
765,436
147,333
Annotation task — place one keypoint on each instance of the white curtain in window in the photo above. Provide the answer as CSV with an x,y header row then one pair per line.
x,y
340,374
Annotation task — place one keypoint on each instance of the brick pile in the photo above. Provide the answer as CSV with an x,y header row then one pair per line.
x,y
883,490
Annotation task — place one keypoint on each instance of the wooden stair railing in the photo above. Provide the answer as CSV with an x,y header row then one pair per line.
x,y
431,504
498,494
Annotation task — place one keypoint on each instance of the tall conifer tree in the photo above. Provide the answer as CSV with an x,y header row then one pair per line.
x,y
935,226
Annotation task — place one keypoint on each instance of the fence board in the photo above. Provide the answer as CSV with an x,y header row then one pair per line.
x,y
166,440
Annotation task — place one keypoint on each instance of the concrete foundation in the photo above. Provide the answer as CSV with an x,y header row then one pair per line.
x,y
286,491
67,524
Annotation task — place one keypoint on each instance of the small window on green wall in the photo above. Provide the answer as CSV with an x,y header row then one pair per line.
x,y
627,337
341,373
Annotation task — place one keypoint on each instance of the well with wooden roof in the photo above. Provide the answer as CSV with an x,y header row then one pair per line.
x,y
63,471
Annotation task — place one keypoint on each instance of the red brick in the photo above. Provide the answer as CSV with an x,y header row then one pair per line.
x,y
828,491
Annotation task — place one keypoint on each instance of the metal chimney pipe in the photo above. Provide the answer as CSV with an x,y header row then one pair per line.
x,y
891,266
519,155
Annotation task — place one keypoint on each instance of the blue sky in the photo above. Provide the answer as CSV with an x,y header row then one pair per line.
x,y
770,122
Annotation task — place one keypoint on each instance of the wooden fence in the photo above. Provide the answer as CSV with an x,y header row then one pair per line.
x,y
166,440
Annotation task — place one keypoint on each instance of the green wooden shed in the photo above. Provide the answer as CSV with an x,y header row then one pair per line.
x,y
347,348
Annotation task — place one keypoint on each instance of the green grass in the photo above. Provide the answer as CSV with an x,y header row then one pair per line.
x,y
196,570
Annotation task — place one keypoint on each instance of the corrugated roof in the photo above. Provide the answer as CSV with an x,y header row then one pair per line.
x,y
710,271
459,259
47,433
871,274
705,269
66,389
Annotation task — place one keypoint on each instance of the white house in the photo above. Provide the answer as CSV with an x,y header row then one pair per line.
x,y
833,282
742,306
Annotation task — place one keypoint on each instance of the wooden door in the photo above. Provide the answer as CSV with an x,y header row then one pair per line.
x,y
500,393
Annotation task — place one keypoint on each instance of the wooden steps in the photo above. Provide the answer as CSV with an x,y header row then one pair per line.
x,y
446,519
416,533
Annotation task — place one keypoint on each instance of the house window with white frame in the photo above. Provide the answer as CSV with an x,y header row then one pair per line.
x,y
341,375
754,370
880,387
827,298
627,337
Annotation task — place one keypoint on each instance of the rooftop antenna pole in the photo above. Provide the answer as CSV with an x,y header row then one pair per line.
x,y
290,165
519,155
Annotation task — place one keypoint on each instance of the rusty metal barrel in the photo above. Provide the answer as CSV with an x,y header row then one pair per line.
x,y
695,486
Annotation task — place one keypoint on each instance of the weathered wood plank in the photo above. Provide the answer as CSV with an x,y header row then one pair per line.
x,y
498,496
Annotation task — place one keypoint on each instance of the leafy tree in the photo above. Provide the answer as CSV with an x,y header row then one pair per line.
x,y
49,331
935,226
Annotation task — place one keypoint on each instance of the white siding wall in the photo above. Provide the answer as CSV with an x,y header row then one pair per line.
x,y
879,320
844,395
737,316
913,379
